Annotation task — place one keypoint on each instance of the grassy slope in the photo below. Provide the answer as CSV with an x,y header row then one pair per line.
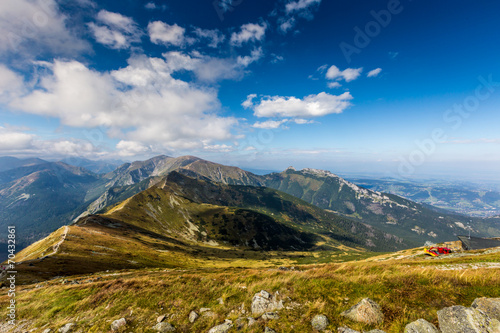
x,y
406,290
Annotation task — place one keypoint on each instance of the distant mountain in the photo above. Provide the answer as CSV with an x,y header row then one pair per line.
x,y
99,166
8,162
181,215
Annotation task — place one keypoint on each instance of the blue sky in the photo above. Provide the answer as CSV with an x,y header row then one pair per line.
x,y
402,88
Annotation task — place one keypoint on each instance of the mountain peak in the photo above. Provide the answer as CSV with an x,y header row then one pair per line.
x,y
319,172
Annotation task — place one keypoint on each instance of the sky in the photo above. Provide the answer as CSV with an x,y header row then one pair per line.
x,y
400,88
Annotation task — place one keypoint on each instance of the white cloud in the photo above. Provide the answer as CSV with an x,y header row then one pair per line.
x,y
29,28
333,85
11,140
374,72
310,106
276,58
215,37
269,124
116,31
300,5
163,33
11,84
130,148
248,103
255,55
249,32
300,121
141,102
348,74
286,24
117,20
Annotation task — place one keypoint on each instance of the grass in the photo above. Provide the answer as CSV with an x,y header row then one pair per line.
x,y
406,289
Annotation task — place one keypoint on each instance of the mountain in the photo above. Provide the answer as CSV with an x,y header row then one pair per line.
x,y
8,162
183,216
99,167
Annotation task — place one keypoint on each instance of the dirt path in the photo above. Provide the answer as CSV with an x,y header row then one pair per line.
x,y
63,238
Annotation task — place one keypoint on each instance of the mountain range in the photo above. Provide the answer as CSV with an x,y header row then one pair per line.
x,y
41,197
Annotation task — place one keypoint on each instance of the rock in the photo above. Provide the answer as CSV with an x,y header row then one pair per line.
x,y
375,331
459,319
251,321
344,329
66,328
265,302
193,316
490,306
421,326
320,322
240,323
161,318
222,328
164,327
115,326
220,300
47,330
204,310
366,311
269,330
270,316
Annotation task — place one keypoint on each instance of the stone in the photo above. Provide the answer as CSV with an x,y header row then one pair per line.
x,y
117,324
222,328
270,316
459,319
161,318
265,302
240,323
47,330
421,326
490,306
220,300
320,322
66,328
164,327
344,329
251,321
269,330
366,311
375,331
193,316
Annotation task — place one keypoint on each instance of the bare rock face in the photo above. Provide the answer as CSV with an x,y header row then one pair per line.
x,y
421,326
459,319
490,306
366,311
265,302
320,322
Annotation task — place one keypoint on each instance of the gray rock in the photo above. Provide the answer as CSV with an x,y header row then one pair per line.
x,y
421,326
47,330
251,321
375,331
270,316
265,302
222,328
66,328
164,327
115,326
366,311
269,330
344,329
193,316
459,319
490,306
161,318
220,300
320,322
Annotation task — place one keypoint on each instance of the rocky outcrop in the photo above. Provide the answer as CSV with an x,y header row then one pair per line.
x,y
265,302
320,322
459,319
193,316
66,328
270,316
366,311
164,327
421,326
222,328
117,324
269,330
490,306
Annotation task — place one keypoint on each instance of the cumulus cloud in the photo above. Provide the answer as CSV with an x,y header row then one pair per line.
x,y
29,28
318,105
12,140
374,72
348,74
249,32
214,37
130,148
255,55
115,30
141,102
163,33
300,5
11,84
333,85
269,124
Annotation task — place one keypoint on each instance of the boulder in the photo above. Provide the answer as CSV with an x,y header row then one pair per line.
x,y
66,328
344,329
222,328
366,311
164,327
161,318
269,330
193,316
490,306
117,324
265,302
251,321
270,316
320,322
421,326
459,319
